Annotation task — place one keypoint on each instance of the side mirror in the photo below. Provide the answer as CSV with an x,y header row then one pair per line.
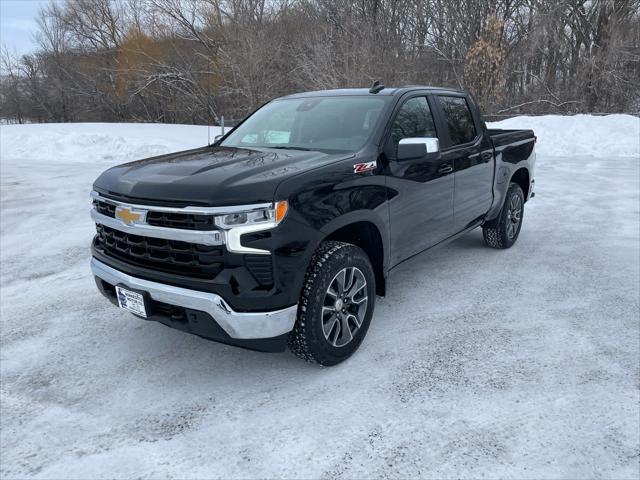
x,y
217,137
418,147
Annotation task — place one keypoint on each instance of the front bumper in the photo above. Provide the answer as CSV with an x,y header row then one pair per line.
x,y
237,326
252,271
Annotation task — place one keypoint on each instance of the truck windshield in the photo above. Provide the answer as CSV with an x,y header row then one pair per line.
x,y
330,124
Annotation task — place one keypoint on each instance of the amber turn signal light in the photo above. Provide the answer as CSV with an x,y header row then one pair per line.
x,y
281,210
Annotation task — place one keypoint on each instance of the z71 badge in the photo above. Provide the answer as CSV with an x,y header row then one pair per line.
x,y
364,167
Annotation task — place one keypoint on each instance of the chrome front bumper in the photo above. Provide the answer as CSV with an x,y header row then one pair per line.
x,y
238,325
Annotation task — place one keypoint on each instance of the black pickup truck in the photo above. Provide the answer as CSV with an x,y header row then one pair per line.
x,y
285,229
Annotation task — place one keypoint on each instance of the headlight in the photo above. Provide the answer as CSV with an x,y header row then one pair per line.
x,y
264,216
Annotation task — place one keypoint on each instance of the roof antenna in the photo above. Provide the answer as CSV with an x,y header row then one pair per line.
x,y
376,87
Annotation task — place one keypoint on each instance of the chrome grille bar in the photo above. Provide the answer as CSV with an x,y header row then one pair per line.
x,y
202,237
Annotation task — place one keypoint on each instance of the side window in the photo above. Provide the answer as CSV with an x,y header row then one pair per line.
x,y
414,119
459,119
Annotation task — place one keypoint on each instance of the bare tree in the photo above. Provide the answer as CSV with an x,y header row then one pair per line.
x,y
191,60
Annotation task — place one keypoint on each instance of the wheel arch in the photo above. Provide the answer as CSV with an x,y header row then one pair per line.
x,y
522,178
367,235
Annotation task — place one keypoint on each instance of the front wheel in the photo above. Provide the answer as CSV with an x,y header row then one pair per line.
x,y
336,304
503,231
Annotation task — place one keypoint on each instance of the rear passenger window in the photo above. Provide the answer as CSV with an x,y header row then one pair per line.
x,y
459,119
414,119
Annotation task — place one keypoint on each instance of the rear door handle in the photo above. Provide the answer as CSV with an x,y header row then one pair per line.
x,y
486,156
445,169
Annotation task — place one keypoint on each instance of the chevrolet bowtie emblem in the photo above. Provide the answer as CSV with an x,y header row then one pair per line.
x,y
129,216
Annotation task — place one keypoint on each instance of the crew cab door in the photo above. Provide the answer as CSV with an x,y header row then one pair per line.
x,y
421,188
471,153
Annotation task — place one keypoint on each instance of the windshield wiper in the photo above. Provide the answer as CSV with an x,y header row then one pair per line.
x,y
284,147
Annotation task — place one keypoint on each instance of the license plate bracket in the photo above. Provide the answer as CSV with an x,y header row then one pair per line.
x,y
132,301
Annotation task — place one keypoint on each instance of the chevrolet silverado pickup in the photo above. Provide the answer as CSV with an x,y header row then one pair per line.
x,y
285,229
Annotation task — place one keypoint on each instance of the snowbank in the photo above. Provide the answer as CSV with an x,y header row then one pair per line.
x,y
102,141
581,135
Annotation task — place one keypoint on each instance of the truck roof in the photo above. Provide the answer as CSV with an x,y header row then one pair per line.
x,y
387,91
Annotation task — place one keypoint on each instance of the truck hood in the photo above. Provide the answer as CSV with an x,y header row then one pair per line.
x,y
211,176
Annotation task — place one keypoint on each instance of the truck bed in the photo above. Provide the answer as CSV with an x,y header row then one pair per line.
x,y
502,138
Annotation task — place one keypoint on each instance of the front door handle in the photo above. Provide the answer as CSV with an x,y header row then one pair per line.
x,y
486,156
445,169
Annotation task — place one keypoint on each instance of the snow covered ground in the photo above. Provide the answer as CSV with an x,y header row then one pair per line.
x,y
479,363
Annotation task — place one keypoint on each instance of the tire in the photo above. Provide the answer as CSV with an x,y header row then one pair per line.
x,y
320,333
503,231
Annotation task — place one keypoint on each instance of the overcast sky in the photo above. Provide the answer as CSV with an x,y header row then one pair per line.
x,y
17,24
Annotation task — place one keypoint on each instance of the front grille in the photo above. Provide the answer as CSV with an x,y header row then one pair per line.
x,y
105,208
171,256
174,256
185,221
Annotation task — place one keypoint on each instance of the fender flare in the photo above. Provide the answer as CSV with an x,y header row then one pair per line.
x,y
357,216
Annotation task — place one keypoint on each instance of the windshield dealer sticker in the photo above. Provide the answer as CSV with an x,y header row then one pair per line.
x,y
364,167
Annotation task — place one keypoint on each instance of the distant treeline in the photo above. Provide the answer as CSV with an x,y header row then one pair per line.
x,y
191,61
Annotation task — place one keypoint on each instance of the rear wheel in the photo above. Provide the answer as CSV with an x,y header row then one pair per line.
x,y
503,231
336,304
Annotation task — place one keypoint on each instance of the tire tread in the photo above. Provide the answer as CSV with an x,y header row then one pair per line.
x,y
494,231
298,343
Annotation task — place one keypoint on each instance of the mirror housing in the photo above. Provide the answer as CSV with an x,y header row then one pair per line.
x,y
418,147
